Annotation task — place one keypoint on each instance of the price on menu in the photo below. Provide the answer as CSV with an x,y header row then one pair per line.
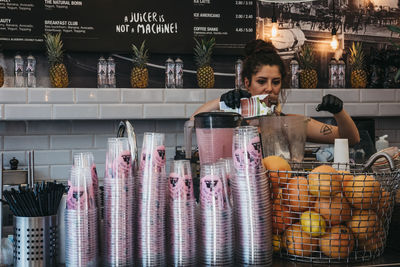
x,y
244,16
244,29
244,3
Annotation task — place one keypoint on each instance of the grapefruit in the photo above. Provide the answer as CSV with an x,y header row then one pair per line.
x,y
364,224
376,242
335,210
277,243
298,242
324,181
281,217
362,191
338,242
278,168
296,194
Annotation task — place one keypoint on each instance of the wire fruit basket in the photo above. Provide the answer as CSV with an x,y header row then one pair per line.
x,y
322,214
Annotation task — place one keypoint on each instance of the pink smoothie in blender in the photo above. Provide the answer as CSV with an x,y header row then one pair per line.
x,y
214,132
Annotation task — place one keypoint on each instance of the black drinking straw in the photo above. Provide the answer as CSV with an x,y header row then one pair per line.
x,y
39,200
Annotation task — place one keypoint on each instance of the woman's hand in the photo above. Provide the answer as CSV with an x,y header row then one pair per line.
x,y
232,98
330,103
324,133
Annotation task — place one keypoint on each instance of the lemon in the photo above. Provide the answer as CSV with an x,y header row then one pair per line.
x,y
276,243
312,223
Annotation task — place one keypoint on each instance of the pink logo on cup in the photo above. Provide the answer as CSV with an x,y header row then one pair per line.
x,y
211,189
177,188
159,156
143,159
254,152
95,178
238,159
251,158
189,187
124,164
78,198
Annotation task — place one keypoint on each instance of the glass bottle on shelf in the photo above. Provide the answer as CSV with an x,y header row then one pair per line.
x,y
238,74
19,80
102,73
178,73
31,71
169,73
294,74
333,73
111,77
342,73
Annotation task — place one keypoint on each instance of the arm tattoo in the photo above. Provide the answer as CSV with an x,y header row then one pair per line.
x,y
326,129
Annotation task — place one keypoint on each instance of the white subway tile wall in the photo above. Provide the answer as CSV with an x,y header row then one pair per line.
x,y
139,96
114,111
55,142
27,112
50,95
304,96
97,95
155,103
78,111
190,95
13,95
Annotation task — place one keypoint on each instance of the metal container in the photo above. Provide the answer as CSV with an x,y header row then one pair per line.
x,y
35,241
328,216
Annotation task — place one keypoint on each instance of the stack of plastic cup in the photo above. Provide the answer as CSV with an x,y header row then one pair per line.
x,y
251,200
216,217
81,242
227,164
181,215
151,202
86,160
118,243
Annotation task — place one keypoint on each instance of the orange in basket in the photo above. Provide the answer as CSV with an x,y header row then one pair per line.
x,y
362,191
324,181
335,210
338,242
364,224
281,217
296,195
376,242
298,242
275,164
385,203
277,243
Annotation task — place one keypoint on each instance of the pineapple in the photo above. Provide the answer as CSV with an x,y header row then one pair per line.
x,y
139,73
358,77
58,71
308,74
202,56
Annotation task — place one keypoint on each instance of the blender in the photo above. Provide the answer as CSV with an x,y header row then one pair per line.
x,y
284,136
214,132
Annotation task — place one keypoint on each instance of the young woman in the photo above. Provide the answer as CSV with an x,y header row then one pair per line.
x,y
263,73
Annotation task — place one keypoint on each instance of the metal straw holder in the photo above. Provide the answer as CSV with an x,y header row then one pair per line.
x,y
35,241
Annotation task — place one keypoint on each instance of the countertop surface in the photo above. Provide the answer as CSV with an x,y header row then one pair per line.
x,y
391,257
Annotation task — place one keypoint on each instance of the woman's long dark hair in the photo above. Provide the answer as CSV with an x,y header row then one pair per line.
x,y
259,53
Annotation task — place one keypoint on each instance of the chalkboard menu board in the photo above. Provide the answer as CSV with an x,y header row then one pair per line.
x,y
168,26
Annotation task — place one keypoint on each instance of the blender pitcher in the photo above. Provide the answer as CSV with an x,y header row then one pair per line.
x,y
214,132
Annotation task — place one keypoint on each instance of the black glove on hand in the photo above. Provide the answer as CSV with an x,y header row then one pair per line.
x,y
330,103
232,98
